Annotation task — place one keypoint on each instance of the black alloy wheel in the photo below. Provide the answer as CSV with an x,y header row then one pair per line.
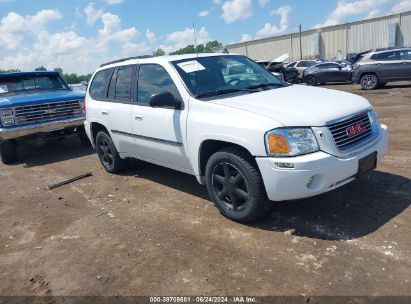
x,y
108,154
235,185
230,186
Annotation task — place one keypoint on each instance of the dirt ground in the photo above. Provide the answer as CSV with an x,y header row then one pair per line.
x,y
153,231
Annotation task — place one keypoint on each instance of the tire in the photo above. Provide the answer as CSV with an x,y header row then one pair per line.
x,y
108,154
84,140
8,152
235,185
311,81
369,82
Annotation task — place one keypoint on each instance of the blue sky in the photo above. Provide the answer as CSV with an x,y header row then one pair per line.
x,y
78,35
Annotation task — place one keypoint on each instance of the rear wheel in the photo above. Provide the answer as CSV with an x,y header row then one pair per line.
x,y
369,82
108,154
310,81
8,152
235,185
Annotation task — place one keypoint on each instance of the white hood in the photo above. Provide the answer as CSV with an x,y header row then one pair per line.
x,y
299,105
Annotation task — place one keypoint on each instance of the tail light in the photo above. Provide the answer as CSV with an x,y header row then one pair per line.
x,y
83,105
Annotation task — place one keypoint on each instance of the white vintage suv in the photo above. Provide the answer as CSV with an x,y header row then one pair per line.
x,y
242,132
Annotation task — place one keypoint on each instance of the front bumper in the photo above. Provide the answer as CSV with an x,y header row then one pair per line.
x,y
329,172
21,131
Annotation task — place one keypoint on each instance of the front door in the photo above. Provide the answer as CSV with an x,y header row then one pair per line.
x,y
159,133
388,65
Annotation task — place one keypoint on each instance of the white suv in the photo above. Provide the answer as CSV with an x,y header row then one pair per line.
x,y
249,138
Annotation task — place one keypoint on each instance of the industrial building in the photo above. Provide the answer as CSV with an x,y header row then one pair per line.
x,y
332,41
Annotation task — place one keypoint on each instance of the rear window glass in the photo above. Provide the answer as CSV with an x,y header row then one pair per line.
x,y
98,85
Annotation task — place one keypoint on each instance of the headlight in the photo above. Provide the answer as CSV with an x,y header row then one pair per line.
x,y
7,112
290,142
374,118
8,121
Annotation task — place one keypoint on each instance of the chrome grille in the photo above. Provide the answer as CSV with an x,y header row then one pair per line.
x,y
47,112
342,138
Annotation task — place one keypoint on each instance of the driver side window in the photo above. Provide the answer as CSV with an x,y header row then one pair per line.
x,y
154,79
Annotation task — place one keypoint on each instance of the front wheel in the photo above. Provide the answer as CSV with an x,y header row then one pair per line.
x,y
84,140
369,82
8,152
235,185
107,152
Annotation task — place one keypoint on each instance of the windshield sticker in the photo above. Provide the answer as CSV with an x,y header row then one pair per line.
x,y
191,66
4,88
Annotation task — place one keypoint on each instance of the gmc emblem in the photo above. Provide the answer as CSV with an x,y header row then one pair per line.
x,y
355,129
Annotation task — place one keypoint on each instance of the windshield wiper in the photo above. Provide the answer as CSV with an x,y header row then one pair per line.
x,y
222,92
263,85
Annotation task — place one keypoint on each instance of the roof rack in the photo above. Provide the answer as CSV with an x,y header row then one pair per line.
x,y
125,59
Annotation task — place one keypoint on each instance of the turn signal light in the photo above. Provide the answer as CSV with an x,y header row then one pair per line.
x,y
278,144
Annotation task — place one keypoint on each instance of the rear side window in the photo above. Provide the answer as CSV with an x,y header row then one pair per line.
x,y
394,55
327,66
123,83
154,79
405,55
98,85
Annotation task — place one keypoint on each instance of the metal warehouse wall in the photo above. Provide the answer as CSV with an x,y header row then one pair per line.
x,y
334,41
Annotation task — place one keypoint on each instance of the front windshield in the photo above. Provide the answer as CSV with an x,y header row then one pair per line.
x,y
11,85
224,74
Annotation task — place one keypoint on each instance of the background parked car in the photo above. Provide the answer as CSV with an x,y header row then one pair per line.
x,y
327,72
36,106
79,87
302,65
288,74
376,68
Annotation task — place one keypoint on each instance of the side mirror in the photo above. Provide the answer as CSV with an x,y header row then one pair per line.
x,y
165,100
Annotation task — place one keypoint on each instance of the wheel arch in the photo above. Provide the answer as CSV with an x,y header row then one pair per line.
x,y
96,127
208,147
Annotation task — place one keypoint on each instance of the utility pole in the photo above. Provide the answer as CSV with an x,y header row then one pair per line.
x,y
301,47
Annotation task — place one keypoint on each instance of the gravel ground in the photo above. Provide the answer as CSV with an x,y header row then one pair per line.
x,y
153,231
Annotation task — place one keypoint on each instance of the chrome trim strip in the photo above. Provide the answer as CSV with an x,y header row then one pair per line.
x,y
331,122
20,131
163,141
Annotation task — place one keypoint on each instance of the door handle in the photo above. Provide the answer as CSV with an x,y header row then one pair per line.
x,y
104,112
138,117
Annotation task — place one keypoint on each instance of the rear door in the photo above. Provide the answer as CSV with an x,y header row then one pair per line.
x,y
405,64
116,110
388,65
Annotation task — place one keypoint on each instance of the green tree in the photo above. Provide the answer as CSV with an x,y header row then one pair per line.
x,y
212,45
200,48
159,52
60,70
10,71
40,68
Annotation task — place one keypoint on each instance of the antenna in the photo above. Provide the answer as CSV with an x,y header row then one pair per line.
x,y
195,37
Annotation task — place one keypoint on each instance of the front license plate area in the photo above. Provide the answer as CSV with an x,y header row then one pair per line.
x,y
367,163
